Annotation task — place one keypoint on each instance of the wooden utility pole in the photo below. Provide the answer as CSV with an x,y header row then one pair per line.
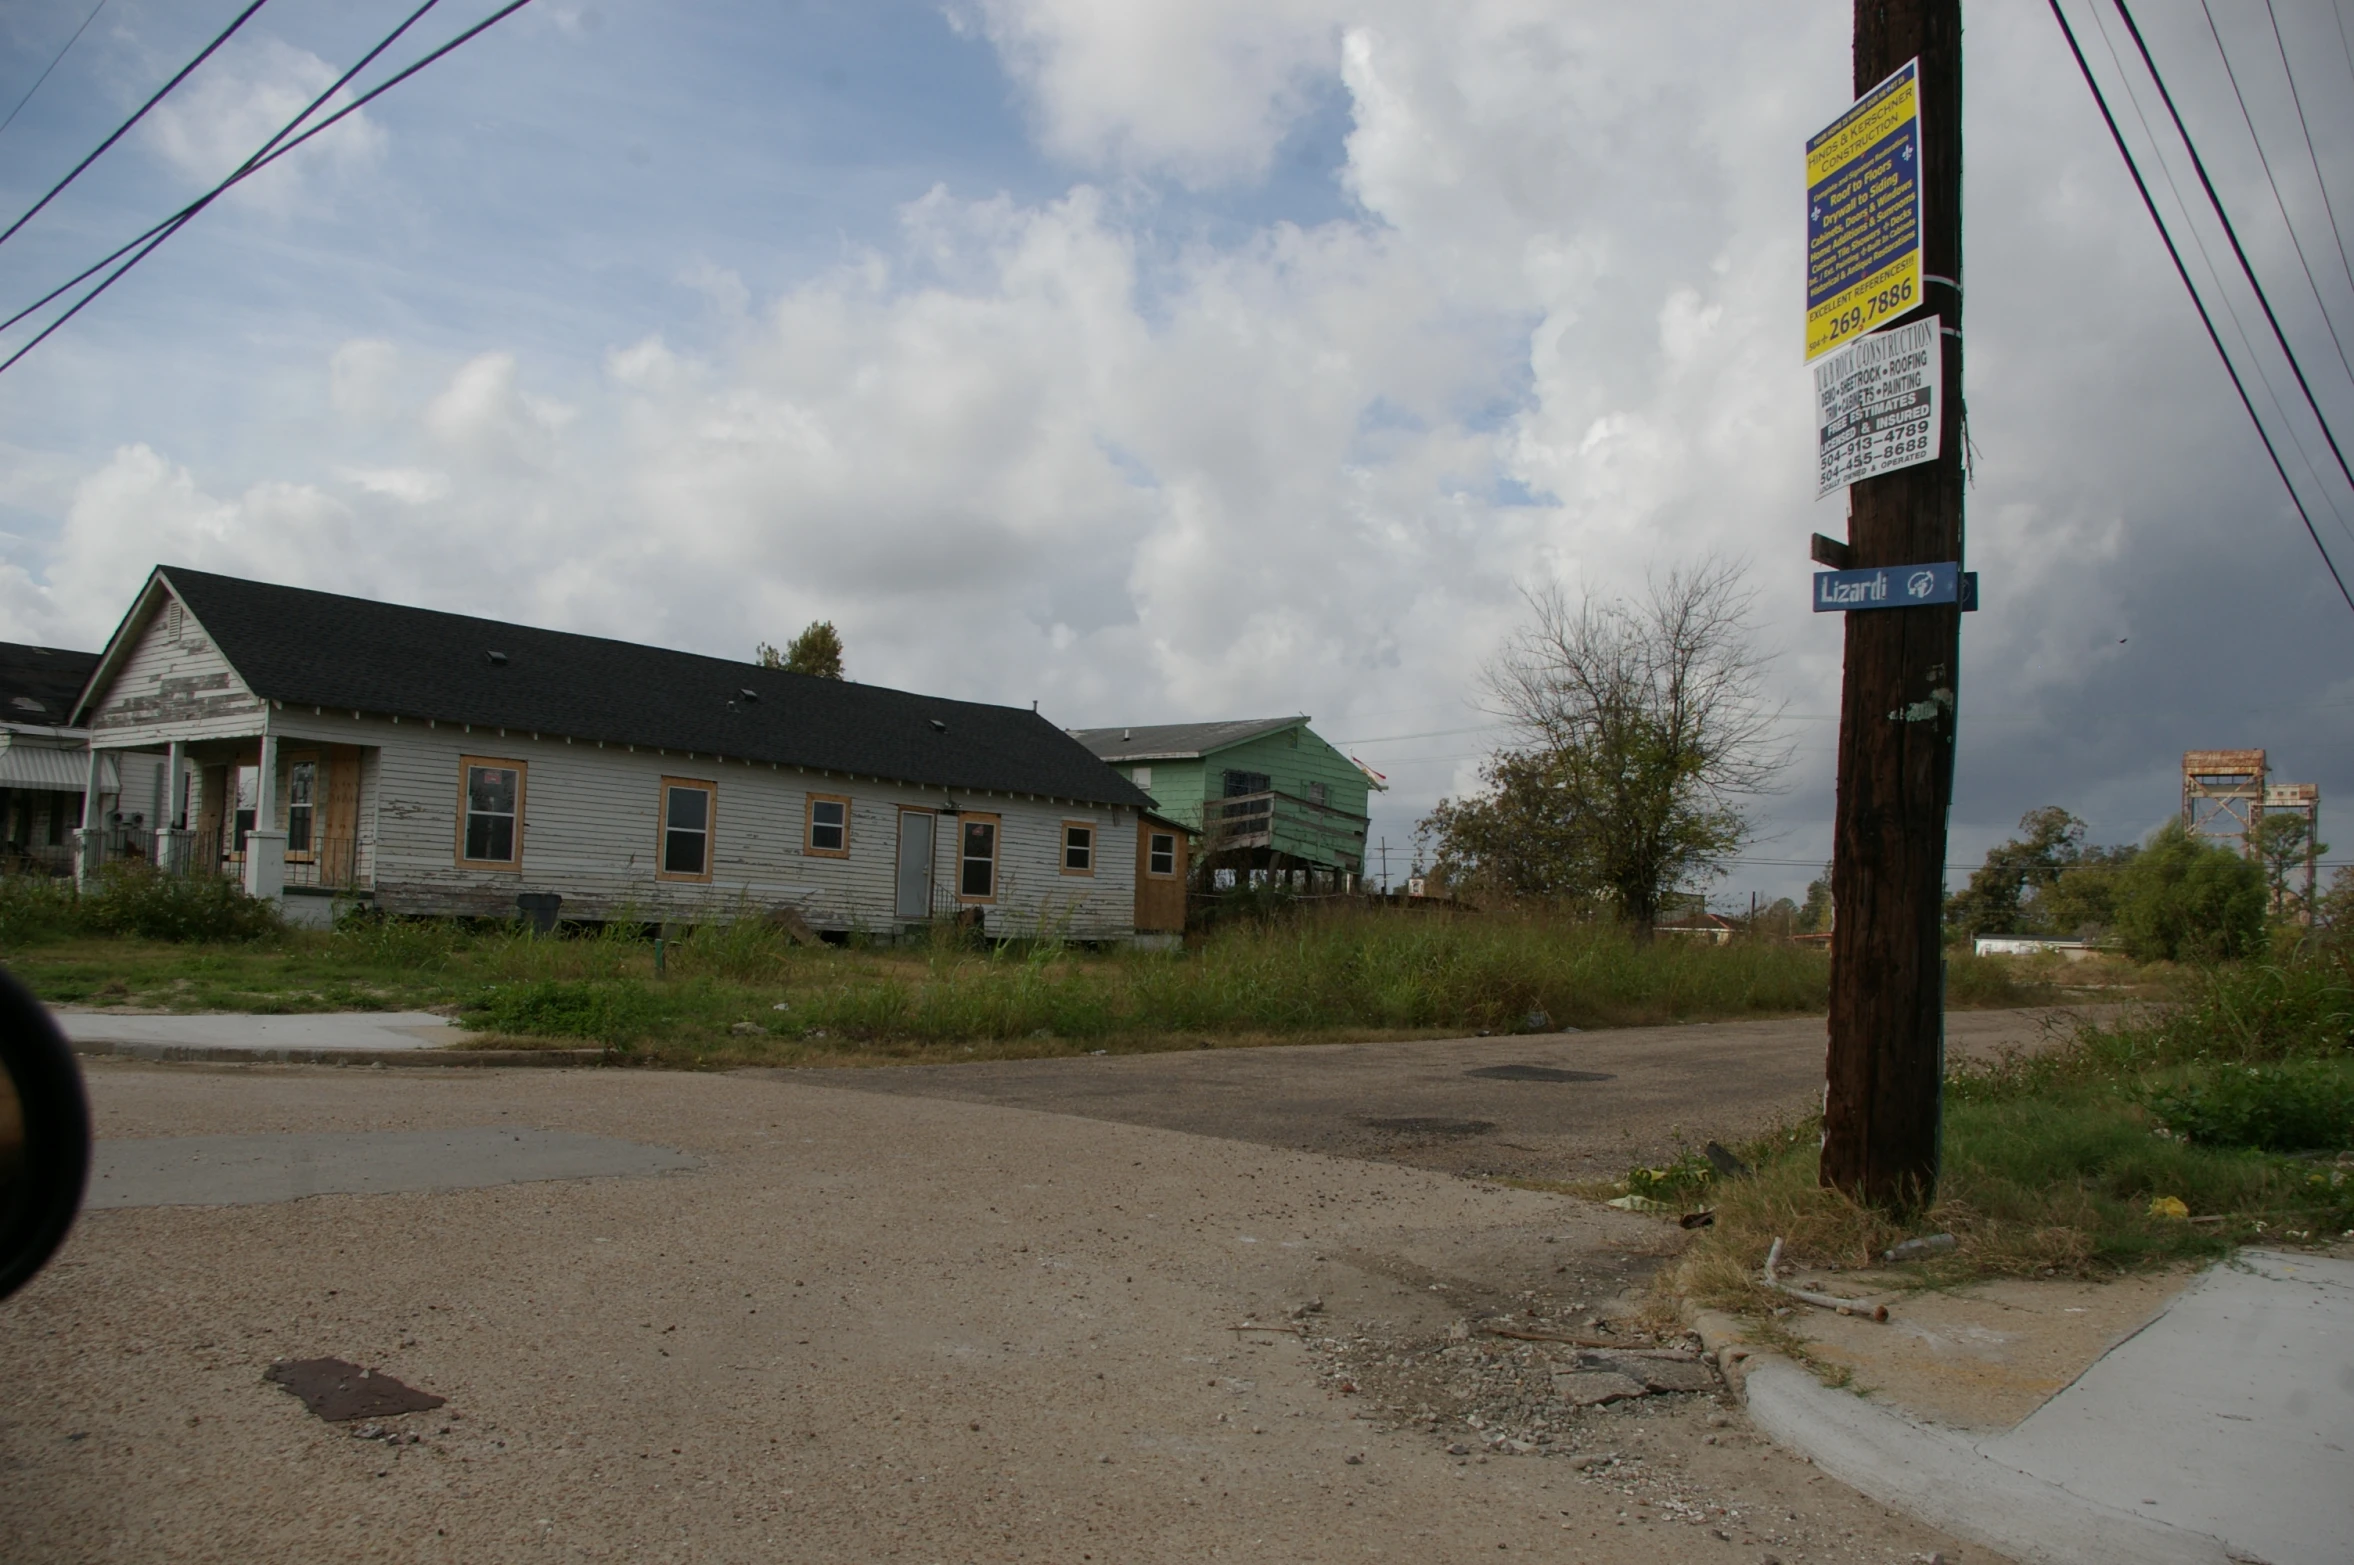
x,y
1897,706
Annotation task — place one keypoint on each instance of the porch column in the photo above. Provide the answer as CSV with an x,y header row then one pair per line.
x,y
90,836
265,845
171,823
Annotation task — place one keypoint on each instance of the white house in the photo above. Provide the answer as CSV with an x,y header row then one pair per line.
x,y
326,748
45,764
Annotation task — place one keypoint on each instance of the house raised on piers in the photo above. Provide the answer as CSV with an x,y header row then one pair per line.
x,y
329,749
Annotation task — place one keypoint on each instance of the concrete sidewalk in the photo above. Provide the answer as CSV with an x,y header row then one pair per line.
x,y
2220,1430
325,1038
324,1030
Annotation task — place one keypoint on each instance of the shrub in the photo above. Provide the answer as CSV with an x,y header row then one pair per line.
x,y
136,899
133,899
2297,1106
2183,900
34,908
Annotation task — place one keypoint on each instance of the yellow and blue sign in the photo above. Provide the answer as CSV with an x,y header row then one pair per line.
x,y
1863,214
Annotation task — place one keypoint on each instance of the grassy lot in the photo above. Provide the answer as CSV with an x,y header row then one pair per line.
x,y
2238,1103
744,992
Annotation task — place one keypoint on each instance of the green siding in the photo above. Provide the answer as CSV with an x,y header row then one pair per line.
x,y
1292,759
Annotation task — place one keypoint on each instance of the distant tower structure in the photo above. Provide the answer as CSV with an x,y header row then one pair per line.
x,y
2223,795
2302,800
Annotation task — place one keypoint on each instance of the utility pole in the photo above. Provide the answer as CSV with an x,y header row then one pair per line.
x,y
1897,705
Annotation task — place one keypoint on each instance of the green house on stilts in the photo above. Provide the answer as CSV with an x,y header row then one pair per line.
x,y
1266,794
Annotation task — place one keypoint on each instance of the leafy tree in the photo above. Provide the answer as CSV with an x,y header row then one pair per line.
x,y
1816,916
2181,899
2333,914
1640,731
816,651
2282,843
2082,903
1994,902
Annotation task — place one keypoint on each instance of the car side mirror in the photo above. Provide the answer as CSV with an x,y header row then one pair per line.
x,y
44,1136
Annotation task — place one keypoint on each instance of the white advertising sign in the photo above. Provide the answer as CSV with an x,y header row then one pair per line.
x,y
1878,405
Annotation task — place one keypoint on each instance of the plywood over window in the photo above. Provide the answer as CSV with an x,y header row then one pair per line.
x,y
490,812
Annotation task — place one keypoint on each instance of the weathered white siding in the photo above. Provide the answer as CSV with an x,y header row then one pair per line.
x,y
590,831
169,689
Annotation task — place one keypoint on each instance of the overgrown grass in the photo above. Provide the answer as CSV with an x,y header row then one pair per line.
x,y
743,990
2238,1103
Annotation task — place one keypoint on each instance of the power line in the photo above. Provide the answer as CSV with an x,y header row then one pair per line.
x,y
52,65
2207,320
147,243
2312,159
2215,273
2278,201
124,128
2232,233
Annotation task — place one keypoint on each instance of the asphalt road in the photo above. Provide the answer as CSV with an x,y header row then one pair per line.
x,y
810,1323
1537,1106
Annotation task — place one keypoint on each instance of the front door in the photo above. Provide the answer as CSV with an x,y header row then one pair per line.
x,y
915,863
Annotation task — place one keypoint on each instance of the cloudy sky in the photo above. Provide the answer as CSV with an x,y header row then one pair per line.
x,y
1162,360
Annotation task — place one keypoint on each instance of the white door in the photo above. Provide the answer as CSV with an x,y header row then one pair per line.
x,y
915,863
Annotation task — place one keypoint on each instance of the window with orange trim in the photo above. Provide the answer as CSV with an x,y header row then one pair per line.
x,y
689,808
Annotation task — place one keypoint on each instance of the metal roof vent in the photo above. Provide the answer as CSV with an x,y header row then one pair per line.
x,y
749,694
498,659
1125,736
938,726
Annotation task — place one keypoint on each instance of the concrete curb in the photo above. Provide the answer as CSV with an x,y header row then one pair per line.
x,y
1937,1475
201,1054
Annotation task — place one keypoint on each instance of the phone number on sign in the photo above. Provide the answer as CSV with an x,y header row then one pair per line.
x,y
1894,300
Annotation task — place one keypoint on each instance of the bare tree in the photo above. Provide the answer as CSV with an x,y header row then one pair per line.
x,y
1641,731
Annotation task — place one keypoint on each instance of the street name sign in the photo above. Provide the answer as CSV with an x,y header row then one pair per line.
x,y
1863,214
1889,587
1876,405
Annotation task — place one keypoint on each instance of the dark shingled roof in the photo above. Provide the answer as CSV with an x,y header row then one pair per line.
x,y
39,684
1178,741
319,649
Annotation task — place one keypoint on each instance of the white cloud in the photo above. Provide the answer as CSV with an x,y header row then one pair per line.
x,y
409,485
237,101
1204,90
1035,450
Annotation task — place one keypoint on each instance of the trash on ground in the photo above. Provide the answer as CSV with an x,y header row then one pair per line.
x,y
339,1392
1915,1249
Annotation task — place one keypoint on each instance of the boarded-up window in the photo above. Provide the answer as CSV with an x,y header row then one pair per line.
x,y
1161,855
976,877
688,808
490,832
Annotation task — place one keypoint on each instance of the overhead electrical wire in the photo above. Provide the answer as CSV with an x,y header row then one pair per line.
x,y
146,244
2231,232
2312,159
2215,275
124,129
2174,253
52,65
2329,323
